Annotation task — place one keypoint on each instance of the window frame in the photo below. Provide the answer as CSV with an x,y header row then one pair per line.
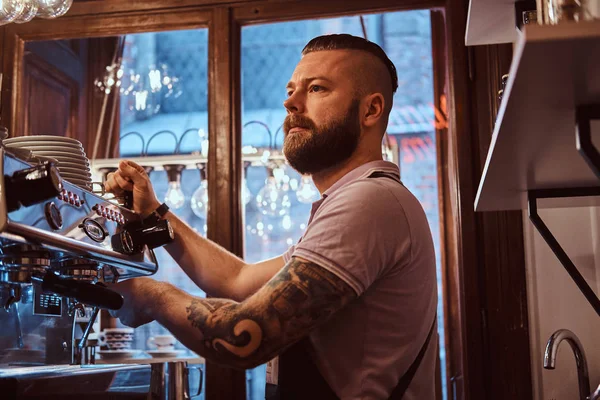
x,y
465,235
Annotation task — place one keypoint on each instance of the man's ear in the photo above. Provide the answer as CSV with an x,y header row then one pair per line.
x,y
374,106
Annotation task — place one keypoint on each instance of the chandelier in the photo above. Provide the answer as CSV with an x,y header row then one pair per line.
x,y
144,89
20,11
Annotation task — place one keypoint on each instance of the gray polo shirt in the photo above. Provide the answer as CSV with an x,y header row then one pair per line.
x,y
373,234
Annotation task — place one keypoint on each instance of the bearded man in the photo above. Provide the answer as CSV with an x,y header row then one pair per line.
x,y
350,309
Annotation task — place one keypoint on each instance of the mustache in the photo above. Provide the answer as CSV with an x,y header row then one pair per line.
x,y
297,121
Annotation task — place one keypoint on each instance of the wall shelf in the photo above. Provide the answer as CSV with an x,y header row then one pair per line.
x,y
554,70
491,22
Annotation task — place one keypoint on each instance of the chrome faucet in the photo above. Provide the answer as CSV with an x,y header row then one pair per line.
x,y
582,369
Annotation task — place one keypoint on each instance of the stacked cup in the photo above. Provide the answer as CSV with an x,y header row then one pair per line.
x,y
116,339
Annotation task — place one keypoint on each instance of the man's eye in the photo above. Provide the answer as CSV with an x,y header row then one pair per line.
x,y
289,93
316,88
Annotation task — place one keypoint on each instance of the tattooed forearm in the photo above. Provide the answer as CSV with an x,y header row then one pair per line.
x,y
301,296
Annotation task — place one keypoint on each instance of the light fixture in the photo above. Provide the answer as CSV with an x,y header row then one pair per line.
x,y
174,197
272,200
53,8
29,11
147,89
10,10
20,11
246,194
307,193
199,201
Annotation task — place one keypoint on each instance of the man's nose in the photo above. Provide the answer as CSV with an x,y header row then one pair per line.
x,y
294,103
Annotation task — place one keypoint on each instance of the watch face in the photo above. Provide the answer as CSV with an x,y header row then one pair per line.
x,y
171,232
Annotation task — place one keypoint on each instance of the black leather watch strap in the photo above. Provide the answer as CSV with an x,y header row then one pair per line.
x,y
161,210
157,214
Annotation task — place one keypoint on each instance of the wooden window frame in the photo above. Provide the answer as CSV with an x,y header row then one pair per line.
x,y
469,239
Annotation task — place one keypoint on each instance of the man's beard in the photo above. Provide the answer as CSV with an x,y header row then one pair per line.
x,y
320,148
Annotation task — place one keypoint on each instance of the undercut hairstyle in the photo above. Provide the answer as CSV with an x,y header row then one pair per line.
x,y
349,42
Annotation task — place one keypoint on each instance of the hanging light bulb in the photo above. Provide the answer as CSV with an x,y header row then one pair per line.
x,y
271,199
199,201
174,198
307,193
281,177
246,194
29,11
10,10
53,8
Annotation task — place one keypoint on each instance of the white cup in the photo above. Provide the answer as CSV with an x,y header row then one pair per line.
x,y
162,342
116,338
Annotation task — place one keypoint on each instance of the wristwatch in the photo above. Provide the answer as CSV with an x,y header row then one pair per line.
x,y
157,214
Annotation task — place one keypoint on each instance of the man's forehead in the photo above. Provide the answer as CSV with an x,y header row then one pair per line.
x,y
328,63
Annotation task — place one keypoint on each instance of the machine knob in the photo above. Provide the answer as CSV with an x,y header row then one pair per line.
x,y
136,235
32,185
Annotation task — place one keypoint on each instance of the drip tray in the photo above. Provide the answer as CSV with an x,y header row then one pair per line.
x,y
74,381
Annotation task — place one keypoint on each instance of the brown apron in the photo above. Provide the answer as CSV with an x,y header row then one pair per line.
x,y
300,379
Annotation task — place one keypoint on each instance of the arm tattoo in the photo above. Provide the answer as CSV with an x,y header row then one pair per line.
x,y
301,296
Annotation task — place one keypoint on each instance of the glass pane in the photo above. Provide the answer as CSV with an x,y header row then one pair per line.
x,y
164,111
164,91
277,198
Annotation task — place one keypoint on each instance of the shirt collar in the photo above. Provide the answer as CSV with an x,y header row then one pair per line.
x,y
363,171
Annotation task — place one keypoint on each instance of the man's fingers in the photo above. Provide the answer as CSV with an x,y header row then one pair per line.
x,y
123,184
111,185
133,172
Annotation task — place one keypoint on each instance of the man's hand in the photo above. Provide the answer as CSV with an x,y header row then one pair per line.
x,y
138,294
132,177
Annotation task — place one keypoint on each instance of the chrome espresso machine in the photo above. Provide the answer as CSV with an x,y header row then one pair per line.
x,y
59,244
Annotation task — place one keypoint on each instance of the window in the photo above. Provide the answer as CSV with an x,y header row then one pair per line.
x,y
277,199
164,112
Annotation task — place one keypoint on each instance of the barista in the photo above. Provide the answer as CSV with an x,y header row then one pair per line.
x,y
350,309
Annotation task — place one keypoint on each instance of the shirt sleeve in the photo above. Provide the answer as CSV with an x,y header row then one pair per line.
x,y
357,233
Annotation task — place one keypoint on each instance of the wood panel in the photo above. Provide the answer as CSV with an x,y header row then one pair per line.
x,y
260,12
453,364
3,78
101,24
503,280
224,169
49,101
464,319
93,7
488,338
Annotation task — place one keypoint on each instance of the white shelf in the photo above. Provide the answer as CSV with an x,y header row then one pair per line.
x,y
491,22
554,69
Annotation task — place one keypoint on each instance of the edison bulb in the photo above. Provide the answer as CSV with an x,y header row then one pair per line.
x,y
199,200
307,193
175,198
10,10
30,10
53,8
246,193
272,200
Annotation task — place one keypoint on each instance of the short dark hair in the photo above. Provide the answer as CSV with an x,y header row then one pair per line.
x,y
348,42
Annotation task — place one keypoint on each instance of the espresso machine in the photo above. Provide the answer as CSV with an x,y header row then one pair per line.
x,y
59,244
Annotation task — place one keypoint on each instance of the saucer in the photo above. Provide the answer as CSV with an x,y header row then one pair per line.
x,y
118,354
165,353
